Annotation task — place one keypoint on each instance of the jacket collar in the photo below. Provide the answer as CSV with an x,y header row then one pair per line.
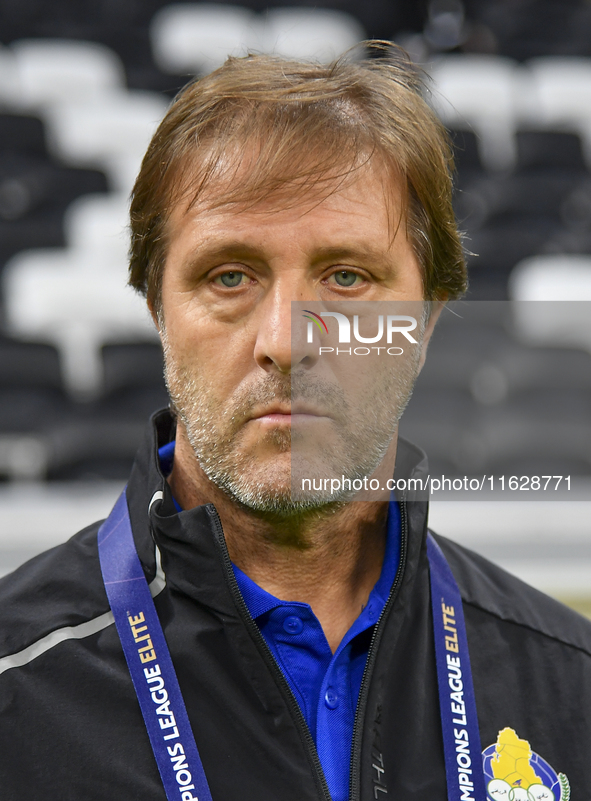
x,y
194,555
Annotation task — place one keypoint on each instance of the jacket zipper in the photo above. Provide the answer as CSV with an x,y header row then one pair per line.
x,y
253,629
355,767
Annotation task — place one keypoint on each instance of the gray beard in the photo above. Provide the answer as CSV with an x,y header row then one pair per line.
x,y
353,447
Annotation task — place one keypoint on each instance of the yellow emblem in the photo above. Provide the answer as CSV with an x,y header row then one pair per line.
x,y
511,760
513,772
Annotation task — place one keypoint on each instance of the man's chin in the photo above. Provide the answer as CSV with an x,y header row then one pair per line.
x,y
276,495
268,476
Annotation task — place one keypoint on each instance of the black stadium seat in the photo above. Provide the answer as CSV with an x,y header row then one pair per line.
x,y
498,248
510,217
32,401
89,449
34,194
136,365
467,159
485,402
133,384
22,133
549,150
530,28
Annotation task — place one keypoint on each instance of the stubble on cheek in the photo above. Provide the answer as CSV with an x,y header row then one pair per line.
x,y
217,423
263,468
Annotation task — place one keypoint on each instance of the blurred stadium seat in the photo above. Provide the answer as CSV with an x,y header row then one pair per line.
x,y
530,28
9,80
481,93
549,149
444,422
497,248
518,369
50,70
193,39
552,278
99,438
197,38
549,280
467,160
561,94
32,399
22,133
524,212
98,224
487,401
28,183
77,301
132,366
34,189
540,431
111,134
309,33
88,447
133,380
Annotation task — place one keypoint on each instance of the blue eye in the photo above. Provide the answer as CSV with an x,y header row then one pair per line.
x,y
345,278
232,278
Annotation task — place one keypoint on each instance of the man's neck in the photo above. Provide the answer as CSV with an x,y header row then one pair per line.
x,y
329,558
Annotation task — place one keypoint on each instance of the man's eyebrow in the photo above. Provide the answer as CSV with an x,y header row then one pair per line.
x,y
359,252
228,250
234,249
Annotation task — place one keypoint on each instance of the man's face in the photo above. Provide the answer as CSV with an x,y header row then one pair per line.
x,y
232,367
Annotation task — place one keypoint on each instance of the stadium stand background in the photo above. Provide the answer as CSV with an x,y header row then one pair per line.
x,y
82,87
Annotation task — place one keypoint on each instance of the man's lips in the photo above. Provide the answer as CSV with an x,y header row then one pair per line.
x,y
274,418
285,415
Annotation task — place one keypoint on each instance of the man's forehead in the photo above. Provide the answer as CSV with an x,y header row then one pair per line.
x,y
354,192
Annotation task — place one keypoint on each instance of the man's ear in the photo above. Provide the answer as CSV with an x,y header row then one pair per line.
x,y
437,307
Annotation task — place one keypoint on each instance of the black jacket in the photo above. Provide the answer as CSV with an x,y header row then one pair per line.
x,y
70,724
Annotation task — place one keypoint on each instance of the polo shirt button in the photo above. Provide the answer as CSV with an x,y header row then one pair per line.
x,y
331,699
293,624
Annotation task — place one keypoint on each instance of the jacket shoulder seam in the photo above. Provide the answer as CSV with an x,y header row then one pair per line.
x,y
49,641
523,625
78,632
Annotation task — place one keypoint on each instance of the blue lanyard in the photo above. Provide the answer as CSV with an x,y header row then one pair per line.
x,y
148,660
459,721
161,701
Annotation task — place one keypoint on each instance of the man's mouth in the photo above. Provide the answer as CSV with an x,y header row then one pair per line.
x,y
286,414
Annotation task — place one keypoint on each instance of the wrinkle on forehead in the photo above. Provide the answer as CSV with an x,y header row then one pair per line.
x,y
234,180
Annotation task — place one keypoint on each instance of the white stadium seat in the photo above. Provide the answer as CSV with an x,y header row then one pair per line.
x,y
50,70
99,223
561,94
309,33
541,282
480,92
196,39
105,132
78,301
9,79
552,277
563,88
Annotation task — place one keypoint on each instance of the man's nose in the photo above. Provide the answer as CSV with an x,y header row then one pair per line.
x,y
281,343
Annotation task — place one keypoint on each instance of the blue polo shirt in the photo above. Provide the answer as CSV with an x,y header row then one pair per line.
x,y
326,685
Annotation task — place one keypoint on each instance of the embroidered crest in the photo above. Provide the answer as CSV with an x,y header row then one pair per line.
x,y
513,772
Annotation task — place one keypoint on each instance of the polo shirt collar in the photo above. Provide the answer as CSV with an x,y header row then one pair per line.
x,y
259,601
